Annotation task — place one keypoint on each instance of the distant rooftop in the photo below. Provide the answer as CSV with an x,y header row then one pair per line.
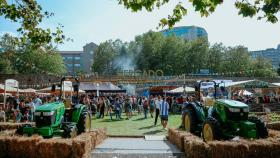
x,y
70,52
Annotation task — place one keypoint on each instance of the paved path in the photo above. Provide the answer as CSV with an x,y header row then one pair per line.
x,y
151,147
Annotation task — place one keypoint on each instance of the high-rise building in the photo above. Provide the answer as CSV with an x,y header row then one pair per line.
x,y
79,61
186,32
271,53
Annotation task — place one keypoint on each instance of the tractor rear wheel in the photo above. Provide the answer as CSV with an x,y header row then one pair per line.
x,y
211,130
84,123
189,121
261,128
70,131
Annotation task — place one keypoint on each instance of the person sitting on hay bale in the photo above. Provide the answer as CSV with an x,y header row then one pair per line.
x,y
2,115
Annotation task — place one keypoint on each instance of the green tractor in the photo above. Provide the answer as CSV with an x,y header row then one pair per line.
x,y
62,118
225,119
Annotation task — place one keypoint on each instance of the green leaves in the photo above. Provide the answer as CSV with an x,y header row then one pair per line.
x,y
29,14
264,9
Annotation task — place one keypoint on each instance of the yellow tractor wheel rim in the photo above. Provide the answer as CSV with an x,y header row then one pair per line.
x,y
187,123
208,133
88,123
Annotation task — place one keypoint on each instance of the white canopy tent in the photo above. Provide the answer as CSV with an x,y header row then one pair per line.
x,y
181,90
9,88
66,89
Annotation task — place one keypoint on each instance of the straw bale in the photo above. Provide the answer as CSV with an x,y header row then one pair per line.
x,y
54,148
179,139
3,146
172,133
18,146
274,134
195,148
228,149
10,126
273,125
265,148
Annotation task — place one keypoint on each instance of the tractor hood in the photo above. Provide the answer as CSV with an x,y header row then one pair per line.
x,y
49,106
232,103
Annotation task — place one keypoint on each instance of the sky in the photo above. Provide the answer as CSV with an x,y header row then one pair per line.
x,y
96,21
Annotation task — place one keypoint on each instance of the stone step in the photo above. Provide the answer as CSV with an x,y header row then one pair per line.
x,y
151,147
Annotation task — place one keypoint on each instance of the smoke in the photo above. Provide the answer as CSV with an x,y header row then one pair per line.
x,y
130,89
124,63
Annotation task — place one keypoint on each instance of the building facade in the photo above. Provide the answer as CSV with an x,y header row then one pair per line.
x,y
186,32
272,54
79,61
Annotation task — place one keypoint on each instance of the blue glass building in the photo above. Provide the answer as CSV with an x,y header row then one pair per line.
x,y
186,32
272,54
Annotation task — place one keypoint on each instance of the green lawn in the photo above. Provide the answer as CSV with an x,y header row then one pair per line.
x,y
137,126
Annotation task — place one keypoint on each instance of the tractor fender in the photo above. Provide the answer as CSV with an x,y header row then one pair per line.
x,y
78,109
198,110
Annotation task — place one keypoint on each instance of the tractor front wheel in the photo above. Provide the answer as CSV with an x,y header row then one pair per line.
x,y
84,123
261,128
19,130
189,121
70,131
211,130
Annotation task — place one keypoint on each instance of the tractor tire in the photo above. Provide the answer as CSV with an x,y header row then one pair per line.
x,y
19,130
84,123
211,130
262,131
189,121
70,131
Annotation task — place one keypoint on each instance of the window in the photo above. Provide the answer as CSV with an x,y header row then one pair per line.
x,y
69,65
77,58
69,58
77,65
91,52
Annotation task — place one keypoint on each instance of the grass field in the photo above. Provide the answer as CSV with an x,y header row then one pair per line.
x,y
136,126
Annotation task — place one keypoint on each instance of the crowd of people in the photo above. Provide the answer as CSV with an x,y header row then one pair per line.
x,y
22,109
115,105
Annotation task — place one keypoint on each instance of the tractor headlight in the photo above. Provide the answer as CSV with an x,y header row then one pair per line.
x,y
246,110
234,109
37,113
48,113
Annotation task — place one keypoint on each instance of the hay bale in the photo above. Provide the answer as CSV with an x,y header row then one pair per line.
x,y
195,147
172,133
54,148
228,149
18,146
274,134
180,139
100,135
273,125
82,145
11,126
3,147
265,148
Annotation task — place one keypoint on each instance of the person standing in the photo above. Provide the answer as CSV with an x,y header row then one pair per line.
x,y
102,107
152,106
164,107
37,101
145,107
157,103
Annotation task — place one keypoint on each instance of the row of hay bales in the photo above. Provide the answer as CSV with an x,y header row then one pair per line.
x,y
10,126
273,125
195,147
36,146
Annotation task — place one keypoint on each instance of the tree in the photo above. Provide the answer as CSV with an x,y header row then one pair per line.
x,y
266,9
29,14
29,60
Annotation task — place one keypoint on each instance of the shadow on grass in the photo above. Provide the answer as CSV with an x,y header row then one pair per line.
x,y
109,120
152,132
139,119
148,127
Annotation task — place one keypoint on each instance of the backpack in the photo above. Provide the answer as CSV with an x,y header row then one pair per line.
x,y
145,104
